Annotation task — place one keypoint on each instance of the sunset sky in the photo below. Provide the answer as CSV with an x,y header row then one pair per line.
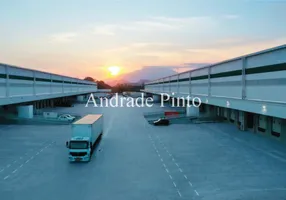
x,y
84,38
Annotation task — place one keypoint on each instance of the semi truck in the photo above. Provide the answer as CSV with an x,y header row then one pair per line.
x,y
85,133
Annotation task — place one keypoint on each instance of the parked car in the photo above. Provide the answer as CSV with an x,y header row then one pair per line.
x,y
161,122
66,117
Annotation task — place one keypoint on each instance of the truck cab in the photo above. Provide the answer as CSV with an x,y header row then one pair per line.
x,y
79,149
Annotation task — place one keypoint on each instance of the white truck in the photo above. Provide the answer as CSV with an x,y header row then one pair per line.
x,y
85,133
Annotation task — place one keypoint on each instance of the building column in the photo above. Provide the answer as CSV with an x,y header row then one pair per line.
x,y
283,130
242,120
192,111
268,126
80,98
156,98
25,111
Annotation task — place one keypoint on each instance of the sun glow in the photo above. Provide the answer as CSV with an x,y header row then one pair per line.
x,y
114,70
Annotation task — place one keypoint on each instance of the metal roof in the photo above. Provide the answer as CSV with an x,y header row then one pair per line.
x,y
88,119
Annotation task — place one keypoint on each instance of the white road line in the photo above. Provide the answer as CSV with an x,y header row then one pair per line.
x,y
8,166
32,157
179,193
162,160
1,170
41,150
109,126
21,166
177,164
186,177
164,165
167,170
37,153
15,171
21,157
180,170
6,177
171,177
27,161
15,161
173,159
159,155
170,155
190,184
174,184
197,193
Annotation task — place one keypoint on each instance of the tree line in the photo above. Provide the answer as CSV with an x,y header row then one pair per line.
x,y
119,88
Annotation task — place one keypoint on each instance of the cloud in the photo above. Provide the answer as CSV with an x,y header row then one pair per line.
x,y
108,30
140,46
158,23
230,16
63,37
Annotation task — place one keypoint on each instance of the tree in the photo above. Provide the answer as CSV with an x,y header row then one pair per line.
x,y
89,79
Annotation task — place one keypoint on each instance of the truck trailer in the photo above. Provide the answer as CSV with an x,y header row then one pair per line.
x,y
85,133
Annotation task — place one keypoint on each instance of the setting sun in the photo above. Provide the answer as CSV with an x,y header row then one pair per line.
x,y
114,70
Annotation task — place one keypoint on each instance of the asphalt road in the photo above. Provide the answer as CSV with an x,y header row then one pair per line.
x,y
136,161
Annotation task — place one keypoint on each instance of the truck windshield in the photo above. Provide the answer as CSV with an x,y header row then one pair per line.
x,y
78,145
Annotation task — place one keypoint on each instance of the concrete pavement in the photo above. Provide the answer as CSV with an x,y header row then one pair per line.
x,y
135,160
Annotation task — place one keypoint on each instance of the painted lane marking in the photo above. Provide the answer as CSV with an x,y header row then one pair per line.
x,y
174,184
15,171
177,164
186,177
167,170
37,153
21,166
171,177
32,157
15,161
164,165
27,161
6,177
180,170
190,184
1,170
197,193
8,165
162,160
179,193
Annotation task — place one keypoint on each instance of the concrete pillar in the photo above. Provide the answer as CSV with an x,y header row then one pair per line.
x,y
192,111
25,111
255,123
283,130
242,120
268,125
210,111
156,98
80,98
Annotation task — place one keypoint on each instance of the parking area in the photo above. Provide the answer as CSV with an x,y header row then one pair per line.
x,y
135,160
